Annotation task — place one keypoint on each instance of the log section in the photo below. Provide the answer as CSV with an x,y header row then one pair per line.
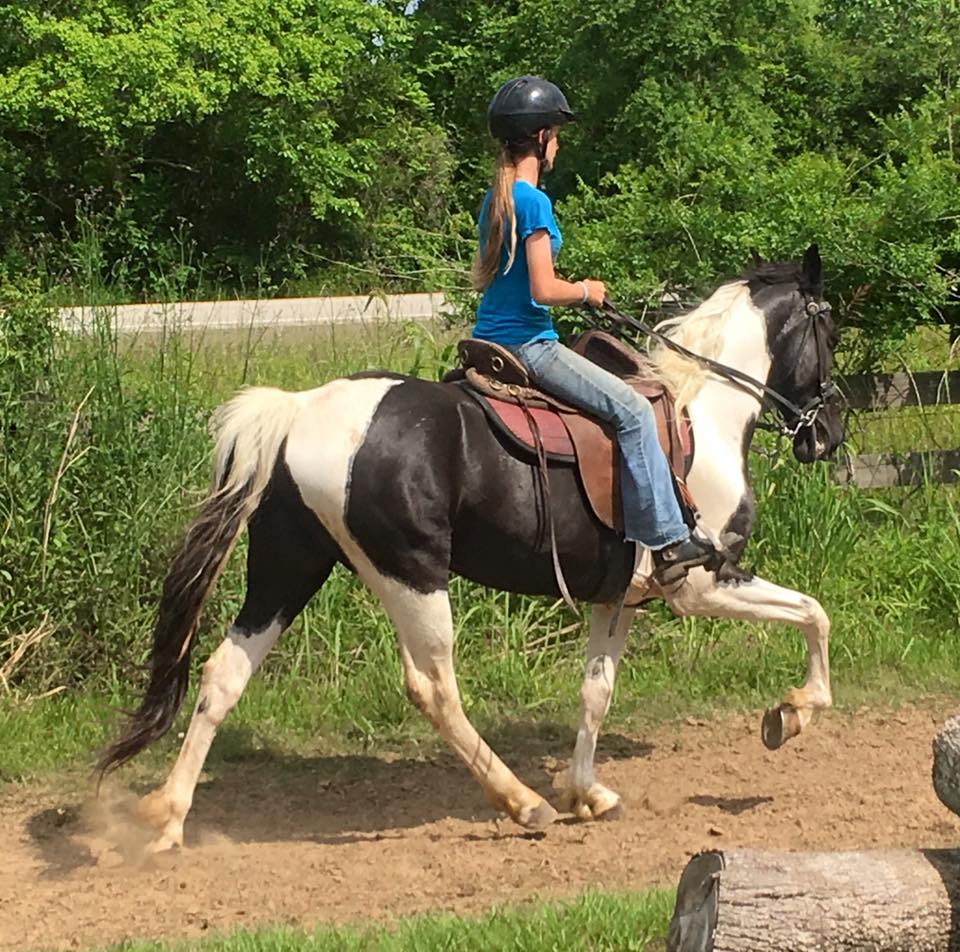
x,y
770,901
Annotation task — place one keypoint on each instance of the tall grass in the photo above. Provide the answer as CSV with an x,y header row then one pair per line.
x,y
105,455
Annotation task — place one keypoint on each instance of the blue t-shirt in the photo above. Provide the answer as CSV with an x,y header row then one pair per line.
x,y
507,314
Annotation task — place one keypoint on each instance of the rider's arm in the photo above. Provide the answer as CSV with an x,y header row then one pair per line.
x,y
545,287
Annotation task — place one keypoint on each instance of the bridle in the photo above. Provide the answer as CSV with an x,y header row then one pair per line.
x,y
791,417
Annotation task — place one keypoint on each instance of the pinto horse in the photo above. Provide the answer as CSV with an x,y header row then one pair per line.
x,y
403,481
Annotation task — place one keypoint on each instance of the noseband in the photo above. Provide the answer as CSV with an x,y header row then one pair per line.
x,y
791,418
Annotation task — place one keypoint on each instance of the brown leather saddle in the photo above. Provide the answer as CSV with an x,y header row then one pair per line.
x,y
523,415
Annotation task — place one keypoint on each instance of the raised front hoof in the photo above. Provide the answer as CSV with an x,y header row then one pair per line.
x,y
779,725
538,817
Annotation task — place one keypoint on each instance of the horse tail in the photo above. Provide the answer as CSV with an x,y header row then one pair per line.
x,y
250,431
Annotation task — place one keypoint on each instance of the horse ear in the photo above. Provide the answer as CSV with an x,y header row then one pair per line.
x,y
813,270
755,258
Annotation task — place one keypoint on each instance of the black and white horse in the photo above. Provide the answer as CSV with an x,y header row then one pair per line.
x,y
403,481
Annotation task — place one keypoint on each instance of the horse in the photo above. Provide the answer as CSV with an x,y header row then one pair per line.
x,y
404,482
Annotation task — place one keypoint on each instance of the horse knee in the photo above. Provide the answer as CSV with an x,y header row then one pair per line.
x,y
818,618
596,690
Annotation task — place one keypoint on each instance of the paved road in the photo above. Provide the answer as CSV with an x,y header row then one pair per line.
x,y
280,312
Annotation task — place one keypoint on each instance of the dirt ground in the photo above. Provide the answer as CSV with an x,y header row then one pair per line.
x,y
275,839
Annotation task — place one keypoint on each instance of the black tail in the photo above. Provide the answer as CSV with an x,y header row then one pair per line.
x,y
203,552
251,429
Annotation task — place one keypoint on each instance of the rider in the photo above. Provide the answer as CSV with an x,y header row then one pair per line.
x,y
519,240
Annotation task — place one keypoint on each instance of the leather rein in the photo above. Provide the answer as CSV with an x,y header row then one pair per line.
x,y
791,417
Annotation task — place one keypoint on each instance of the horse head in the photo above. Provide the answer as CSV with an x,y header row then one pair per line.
x,y
801,340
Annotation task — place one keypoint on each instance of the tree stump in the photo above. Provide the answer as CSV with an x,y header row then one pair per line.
x,y
876,900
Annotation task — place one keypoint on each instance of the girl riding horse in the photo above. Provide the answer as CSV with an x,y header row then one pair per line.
x,y
519,240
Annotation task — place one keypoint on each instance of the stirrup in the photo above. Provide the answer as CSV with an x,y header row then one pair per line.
x,y
673,562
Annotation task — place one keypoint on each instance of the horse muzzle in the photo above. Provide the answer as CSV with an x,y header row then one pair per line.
x,y
820,439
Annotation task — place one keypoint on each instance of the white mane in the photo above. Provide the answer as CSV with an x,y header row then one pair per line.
x,y
701,330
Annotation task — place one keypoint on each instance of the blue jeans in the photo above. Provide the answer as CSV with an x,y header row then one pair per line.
x,y
651,513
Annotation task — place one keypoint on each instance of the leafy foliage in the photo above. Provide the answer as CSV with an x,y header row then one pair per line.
x,y
707,129
342,143
261,124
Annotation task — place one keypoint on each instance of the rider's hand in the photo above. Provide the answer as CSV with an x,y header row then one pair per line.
x,y
596,292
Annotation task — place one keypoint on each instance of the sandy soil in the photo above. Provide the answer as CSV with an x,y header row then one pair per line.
x,y
275,839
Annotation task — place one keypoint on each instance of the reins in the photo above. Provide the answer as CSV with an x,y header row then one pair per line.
x,y
804,416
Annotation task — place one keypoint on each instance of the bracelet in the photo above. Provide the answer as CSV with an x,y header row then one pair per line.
x,y
583,291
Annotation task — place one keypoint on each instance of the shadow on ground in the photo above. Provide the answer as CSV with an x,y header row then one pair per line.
x,y
257,795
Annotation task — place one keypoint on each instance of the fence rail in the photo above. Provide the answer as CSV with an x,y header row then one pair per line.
x,y
886,391
872,393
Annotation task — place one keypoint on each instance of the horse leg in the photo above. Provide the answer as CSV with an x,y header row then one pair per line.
x,y
584,797
755,599
424,626
225,675
289,557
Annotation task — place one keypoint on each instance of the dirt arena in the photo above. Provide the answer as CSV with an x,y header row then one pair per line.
x,y
276,839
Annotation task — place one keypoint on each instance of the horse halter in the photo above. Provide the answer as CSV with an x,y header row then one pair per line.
x,y
807,415
785,408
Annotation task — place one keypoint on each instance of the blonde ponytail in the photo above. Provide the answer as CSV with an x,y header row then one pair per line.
x,y
501,214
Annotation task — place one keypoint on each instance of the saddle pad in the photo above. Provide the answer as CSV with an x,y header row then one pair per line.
x,y
567,438
553,434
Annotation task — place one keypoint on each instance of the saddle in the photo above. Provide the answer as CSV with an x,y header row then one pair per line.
x,y
526,416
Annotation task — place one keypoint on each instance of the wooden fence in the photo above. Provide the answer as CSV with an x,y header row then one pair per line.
x,y
871,393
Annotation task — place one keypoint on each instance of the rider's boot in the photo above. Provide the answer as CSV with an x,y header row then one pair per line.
x,y
671,563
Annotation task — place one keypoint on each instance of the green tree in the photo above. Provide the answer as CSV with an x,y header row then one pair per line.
x,y
263,124
708,129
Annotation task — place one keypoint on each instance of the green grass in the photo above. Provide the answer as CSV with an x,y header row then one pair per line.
x,y
595,922
89,516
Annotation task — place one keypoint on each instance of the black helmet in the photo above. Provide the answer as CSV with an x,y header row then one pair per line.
x,y
524,106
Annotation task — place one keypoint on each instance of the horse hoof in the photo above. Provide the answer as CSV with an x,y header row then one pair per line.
x,y
599,804
163,844
779,725
617,812
537,818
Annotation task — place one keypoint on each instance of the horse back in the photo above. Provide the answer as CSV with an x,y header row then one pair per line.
x,y
432,488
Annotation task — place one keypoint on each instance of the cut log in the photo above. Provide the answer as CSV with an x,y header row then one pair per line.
x,y
770,901
946,764
878,900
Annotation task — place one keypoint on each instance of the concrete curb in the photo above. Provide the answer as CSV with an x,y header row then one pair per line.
x,y
279,312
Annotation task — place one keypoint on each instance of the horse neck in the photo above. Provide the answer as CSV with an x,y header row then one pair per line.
x,y
723,416
730,407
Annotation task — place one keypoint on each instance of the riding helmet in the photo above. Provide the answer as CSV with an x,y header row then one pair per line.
x,y
524,106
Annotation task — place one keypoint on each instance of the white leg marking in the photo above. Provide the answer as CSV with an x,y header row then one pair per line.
x,y
586,798
320,458
759,600
425,635
225,675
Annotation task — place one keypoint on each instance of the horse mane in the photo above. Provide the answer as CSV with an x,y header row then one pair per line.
x,y
774,272
702,331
